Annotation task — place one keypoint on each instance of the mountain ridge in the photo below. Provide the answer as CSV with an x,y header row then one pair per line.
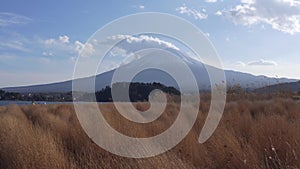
x,y
231,77
199,70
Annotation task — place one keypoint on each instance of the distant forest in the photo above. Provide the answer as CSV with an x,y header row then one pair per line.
x,y
137,92
48,97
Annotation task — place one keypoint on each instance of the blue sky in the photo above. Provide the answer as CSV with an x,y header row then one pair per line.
x,y
40,40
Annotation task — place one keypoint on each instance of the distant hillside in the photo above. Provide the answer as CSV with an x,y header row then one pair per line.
x,y
245,80
282,87
198,69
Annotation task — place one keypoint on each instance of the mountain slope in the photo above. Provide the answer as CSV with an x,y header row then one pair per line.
x,y
245,80
282,87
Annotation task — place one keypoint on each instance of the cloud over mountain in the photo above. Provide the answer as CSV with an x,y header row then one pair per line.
x,y
263,62
144,40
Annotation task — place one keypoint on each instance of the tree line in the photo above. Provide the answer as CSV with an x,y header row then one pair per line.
x,y
137,92
50,97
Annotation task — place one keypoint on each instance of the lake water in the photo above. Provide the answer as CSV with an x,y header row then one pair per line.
x,y
8,102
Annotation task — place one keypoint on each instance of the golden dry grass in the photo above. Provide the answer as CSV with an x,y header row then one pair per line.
x,y
252,134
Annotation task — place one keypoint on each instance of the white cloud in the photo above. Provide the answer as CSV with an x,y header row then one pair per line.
x,y
198,15
248,1
79,46
14,45
49,41
262,62
239,63
61,40
126,46
14,42
281,15
140,7
117,51
54,44
292,2
218,13
64,39
8,19
63,47
210,1
47,54
85,50
147,40
207,34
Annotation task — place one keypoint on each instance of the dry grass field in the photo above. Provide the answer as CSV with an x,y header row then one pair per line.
x,y
253,133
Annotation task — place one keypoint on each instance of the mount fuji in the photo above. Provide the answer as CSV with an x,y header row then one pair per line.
x,y
244,80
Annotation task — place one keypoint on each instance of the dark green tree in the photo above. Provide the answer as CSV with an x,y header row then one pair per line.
x,y
137,91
